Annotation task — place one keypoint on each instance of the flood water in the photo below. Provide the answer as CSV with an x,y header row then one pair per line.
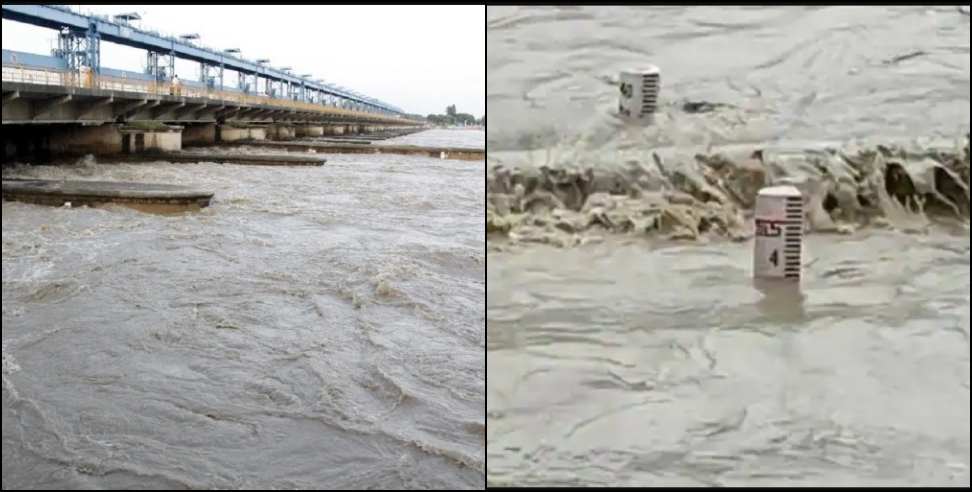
x,y
313,328
459,138
620,353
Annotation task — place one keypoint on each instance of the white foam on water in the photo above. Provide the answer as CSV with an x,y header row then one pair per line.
x,y
10,366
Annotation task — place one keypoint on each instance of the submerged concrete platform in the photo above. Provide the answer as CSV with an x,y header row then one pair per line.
x,y
338,141
149,197
436,152
240,159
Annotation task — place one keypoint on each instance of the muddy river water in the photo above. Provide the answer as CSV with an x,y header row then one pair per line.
x,y
313,328
626,341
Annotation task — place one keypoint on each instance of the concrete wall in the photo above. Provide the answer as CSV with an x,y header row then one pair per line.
x,y
201,134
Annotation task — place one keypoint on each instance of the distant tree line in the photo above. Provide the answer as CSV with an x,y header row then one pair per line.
x,y
453,118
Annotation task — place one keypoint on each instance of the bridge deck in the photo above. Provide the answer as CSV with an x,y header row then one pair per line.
x,y
39,84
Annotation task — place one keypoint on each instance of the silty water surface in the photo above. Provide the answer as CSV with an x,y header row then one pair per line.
x,y
312,328
637,361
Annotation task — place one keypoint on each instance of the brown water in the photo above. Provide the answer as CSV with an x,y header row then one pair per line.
x,y
626,341
789,73
312,328
472,139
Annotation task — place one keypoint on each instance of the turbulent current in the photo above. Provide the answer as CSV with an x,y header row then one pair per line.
x,y
313,328
626,341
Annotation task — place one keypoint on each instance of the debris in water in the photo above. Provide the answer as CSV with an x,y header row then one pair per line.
x,y
899,59
692,107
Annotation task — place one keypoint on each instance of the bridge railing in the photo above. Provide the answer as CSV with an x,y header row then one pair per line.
x,y
90,80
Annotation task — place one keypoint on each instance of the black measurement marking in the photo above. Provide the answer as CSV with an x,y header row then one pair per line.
x,y
627,90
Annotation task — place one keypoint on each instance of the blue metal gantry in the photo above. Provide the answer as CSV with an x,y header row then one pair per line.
x,y
79,45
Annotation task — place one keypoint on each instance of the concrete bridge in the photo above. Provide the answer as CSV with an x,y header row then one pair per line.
x,y
70,103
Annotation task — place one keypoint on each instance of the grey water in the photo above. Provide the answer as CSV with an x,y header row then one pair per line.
x,y
312,328
634,360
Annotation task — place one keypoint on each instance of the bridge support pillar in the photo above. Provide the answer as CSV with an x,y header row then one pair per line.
x,y
199,134
280,131
310,130
80,140
334,129
229,133
136,140
109,139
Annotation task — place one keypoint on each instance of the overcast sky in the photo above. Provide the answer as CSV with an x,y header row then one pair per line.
x,y
419,58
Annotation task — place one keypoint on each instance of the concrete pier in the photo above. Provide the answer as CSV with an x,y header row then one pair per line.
x,y
310,130
280,131
228,133
323,148
334,129
383,134
42,142
136,140
80,140
227,158
199,134
329,140
156,198
39,143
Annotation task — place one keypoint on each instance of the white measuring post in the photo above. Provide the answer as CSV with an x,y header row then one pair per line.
x,y
779,234
639,93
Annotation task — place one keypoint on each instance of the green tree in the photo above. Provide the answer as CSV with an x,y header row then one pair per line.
x,y
451,110
437,119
